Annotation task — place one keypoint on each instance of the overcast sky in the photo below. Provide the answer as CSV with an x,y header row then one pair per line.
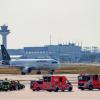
x,y
32,21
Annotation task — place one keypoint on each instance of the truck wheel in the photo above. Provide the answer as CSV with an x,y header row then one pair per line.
x,y
6,90
62,90
19,87
82,88
49,90
56,90
70,89
90,87
38,89
33,89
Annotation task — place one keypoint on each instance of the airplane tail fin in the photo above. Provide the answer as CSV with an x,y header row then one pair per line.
x,y
5,56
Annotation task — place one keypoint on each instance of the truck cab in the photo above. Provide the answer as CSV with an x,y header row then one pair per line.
x,y
52,83
89,82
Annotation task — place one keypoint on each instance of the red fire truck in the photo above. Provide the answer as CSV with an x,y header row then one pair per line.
x,y
90,82
52,83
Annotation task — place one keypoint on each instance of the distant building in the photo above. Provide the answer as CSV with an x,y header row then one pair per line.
x,y
36,52
70,52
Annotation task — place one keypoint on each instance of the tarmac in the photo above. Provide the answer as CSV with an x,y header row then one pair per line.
x,y
28,94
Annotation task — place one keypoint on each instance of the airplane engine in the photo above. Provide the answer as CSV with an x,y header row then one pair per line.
x,y
26,70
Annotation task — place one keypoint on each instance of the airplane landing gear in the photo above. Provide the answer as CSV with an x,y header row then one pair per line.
x,y
38,72
22,73
51,72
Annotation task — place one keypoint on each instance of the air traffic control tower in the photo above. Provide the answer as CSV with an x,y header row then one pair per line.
x,y
4,32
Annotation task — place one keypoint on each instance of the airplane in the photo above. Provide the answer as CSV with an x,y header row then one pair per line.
x,y
27,65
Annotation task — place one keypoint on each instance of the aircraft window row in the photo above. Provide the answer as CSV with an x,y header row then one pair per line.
x,y
41,61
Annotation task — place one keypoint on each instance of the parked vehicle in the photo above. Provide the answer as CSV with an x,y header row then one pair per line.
x,y
52,83
1,81
13,85
16,85
6,85
87,81
20,86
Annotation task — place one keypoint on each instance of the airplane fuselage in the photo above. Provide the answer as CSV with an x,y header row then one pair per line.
x,y
36,63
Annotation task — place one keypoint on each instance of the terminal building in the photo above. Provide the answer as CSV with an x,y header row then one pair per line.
x,y
70,52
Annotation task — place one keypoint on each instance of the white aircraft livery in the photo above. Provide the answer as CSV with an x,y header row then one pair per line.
x,y
27,65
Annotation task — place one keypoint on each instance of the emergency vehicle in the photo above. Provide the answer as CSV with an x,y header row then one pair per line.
x,y
16,85
6,85
87,81
52,83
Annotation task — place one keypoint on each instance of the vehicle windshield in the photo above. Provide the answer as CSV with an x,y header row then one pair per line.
x,y
83,78
40,82
47,79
